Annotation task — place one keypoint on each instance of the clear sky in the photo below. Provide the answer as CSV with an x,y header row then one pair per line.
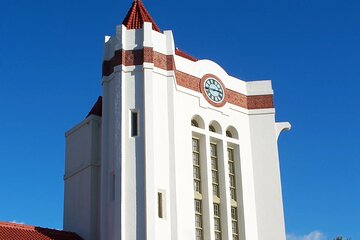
x,y
50,76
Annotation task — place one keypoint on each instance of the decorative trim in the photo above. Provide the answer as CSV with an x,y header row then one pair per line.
x,y
166,62
108,65
238,99
260,102
138,57
187,81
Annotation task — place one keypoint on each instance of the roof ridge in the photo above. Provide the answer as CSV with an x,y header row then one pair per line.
x,y
30,227
137,15
183,54
18,231
16,225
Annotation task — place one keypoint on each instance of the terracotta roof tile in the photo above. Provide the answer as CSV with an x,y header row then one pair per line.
x,y
13,231
185,55
97,108
137,15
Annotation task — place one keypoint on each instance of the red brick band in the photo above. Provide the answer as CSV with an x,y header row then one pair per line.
x,y
238,99
138,57
166,62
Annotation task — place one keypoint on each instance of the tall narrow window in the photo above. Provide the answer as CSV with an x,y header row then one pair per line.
x,y
217,221
232,174
234,223
196,165
214,169
160,205
232,181
197,189
198,220
134,123
216,190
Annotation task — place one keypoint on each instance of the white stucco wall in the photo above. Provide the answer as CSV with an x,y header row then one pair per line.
x,y
159,159
82,178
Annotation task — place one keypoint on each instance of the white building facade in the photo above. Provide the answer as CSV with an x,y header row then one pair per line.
x,y
176,149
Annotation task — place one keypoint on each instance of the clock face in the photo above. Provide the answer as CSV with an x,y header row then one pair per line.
x,y
214,90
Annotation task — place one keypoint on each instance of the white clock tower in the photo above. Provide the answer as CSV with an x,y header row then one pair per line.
x,y
175,149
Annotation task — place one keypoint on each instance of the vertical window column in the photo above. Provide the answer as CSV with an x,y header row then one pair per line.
x,y
234,223
197,189
216,190
196,166
232,180
217,221
214,169
232,184
198,220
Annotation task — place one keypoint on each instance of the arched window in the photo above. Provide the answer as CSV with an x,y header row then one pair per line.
x,y
231,132
228,134
197,121
215,127
194,123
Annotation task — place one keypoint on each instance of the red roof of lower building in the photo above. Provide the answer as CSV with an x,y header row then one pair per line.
x,y
13,231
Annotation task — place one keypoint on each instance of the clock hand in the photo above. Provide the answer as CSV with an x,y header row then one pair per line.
x,y
216,90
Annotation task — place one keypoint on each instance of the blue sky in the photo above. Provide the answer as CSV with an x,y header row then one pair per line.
x,y
50,75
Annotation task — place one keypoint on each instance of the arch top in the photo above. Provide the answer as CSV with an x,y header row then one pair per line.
x,y
231,132
214,126
197,121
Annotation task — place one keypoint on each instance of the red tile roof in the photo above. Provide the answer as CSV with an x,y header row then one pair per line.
x,y
137,15
13,231
185,55
97,108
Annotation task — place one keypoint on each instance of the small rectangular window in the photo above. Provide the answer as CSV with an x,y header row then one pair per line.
x,y
160,205
134,123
